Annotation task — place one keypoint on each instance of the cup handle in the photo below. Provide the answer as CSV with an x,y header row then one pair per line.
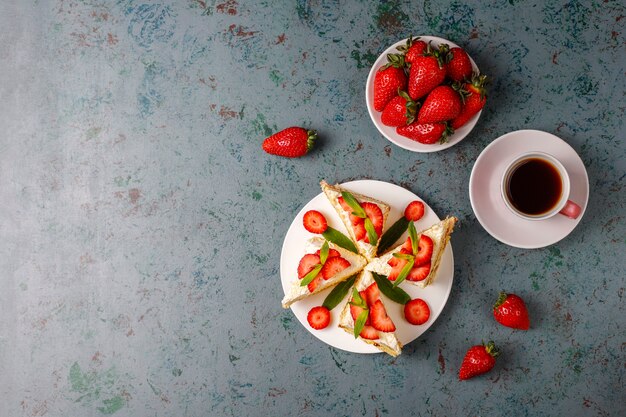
x,y
571,210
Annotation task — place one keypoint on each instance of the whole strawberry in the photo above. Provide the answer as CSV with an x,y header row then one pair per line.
x,y
292,142
412,49
459,66
388,80
426,133
441,104
510,311
475,97
478,360
399,111
427,72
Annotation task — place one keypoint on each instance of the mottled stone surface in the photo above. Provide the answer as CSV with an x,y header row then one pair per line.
x,y
141,224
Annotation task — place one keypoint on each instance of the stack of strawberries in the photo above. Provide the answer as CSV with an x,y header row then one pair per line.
x,y
426,93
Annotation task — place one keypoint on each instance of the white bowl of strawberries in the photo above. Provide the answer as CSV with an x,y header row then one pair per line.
x,y
425,94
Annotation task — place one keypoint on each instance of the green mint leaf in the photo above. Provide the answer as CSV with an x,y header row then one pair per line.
x,y
357,210
395,294
404,273
392,234
360,322
339,239
324,252
357,300
413,236
311,275
338,293
371,232
404,256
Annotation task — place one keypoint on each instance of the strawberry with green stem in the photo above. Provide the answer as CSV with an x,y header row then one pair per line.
x,y
388,80
458,65
292,142
400,110
426,133
478,360
474,95
427,71
443,103
510,311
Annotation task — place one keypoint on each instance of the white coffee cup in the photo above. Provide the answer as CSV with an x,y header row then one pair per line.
x,y
536,186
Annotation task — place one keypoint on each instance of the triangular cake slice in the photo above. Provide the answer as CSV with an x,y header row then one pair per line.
x,y
432,243
375,210
379,330
340,265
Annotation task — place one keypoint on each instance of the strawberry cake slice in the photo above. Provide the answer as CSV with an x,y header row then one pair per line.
x,y
365,316
323,266
363,216
425,256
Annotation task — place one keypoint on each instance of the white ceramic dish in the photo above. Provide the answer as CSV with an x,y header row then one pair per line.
x,y
486,197
436,295
390,132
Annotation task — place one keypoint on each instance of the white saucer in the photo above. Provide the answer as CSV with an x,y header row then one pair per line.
x,y
487,201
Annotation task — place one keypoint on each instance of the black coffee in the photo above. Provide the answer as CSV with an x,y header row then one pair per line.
x,y
534,187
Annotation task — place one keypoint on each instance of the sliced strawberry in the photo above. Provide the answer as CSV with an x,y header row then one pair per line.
x,y
318,317
316,281
355,311
369,332
396,269
416,311
375,214
307,263
408,245
371,294
333,266
424,251
331,253
380,320
353,219
359,231
419,273
414,211
314,222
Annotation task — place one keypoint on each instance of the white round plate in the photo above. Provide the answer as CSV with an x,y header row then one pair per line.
x,y
486,198
390,132
293,250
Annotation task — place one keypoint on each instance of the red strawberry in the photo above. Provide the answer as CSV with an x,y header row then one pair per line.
x,y
424,250
478,360
380,320
416,311
371,294
333,266
474,100
353,219
414,211
375,214
331,253
459,66
396,268
419,273
441,104
411,50
369,332
359,231
427,72
415,50
399,111
318,317
314,222
307,263
426,133
292,142
355,311
387,81
407,246
313,284
511,311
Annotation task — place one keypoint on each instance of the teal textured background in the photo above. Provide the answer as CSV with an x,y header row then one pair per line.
x,y
141,223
